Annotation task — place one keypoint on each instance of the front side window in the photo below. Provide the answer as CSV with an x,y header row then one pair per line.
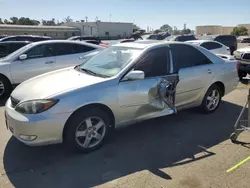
x,y
44,50
110,61
67,49
155,63
187,56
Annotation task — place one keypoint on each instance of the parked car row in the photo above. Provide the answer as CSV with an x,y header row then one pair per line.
x,y
109,88
41,57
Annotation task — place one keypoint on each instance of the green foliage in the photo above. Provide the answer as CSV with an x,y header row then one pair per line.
x,y
186,31
176,32
20,21
166,28
240,31
157,31
49,22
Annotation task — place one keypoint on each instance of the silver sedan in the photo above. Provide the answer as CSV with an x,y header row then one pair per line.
x,y
121,85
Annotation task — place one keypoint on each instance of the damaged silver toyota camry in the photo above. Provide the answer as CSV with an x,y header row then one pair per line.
x,y
121,85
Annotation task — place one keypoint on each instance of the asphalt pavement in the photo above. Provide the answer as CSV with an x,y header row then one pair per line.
x,y
188,150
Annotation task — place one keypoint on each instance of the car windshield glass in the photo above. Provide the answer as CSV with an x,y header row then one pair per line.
x,y
20,50
110,61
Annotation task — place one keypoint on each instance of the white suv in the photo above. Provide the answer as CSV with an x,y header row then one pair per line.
x,y
40,57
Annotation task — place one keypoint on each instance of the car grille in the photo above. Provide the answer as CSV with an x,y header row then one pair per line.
x,y
246,56
14,102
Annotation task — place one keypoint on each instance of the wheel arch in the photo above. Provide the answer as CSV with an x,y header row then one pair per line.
x,y
221,86
87,107
2,75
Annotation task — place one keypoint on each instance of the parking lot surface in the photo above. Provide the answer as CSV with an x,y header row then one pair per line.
x,y
188,150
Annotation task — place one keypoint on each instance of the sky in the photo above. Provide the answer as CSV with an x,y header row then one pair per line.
x,y
144,13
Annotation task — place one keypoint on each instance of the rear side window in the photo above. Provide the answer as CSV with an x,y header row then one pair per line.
x,y
67,49
3,50
187,56
83,48
211,45
16,46
155,63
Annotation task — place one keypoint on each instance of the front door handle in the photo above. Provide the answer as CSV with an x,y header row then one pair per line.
x,y
209,71
49,62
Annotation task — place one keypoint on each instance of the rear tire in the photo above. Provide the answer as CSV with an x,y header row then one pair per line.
x,y
87,129
5,87
211,100
241,74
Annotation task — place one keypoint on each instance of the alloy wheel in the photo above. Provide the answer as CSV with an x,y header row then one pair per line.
x,y
213,99
90,132
1,88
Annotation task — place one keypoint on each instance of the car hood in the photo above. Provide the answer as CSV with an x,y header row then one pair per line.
x,y
247,49
52,83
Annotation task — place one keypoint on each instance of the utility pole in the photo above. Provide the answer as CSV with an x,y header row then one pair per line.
x,y
110,18
86,17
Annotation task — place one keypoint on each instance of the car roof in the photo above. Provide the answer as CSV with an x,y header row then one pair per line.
x,y
15,42
200,41
142,44
67,41
11,36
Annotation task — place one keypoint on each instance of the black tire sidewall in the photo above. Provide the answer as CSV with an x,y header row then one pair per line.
x,y
75,120
7,87
204,105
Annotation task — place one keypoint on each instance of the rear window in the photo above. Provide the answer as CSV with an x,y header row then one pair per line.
x,y
226,38
185,38
153,37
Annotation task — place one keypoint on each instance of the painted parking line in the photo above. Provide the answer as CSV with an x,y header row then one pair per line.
x,y
238,164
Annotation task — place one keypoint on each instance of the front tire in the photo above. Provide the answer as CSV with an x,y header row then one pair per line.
x,y
211,100
241,75
5,87
87,129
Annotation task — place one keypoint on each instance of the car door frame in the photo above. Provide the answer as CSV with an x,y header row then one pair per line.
x,y
131,109
49,64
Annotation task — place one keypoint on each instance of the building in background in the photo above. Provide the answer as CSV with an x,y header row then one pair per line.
x,y
217,29
104,30
56,32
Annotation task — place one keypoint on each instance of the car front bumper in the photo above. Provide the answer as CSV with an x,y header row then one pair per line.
x,y
34,130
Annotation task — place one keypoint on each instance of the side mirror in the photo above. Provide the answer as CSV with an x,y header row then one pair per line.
x,y
135,75
23,57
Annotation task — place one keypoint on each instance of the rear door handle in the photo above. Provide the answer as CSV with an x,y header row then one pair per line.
x,y
49,62
209,71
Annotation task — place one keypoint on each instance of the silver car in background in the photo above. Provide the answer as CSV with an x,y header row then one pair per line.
x,y
41,57
121,85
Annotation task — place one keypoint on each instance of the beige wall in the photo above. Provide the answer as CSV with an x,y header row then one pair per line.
x,y
209,29
217,29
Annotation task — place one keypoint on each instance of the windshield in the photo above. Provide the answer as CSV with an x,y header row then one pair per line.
x,y
110,61
20,50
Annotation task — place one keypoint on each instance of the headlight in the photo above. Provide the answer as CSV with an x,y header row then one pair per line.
x,y
35,106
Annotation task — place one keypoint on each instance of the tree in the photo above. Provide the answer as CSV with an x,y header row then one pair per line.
x,y
1,22
176,32
68,19
186,31
166,28
49,22
157,31
239,31
14,20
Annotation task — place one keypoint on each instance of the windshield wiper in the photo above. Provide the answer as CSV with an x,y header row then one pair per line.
x,y
93,73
